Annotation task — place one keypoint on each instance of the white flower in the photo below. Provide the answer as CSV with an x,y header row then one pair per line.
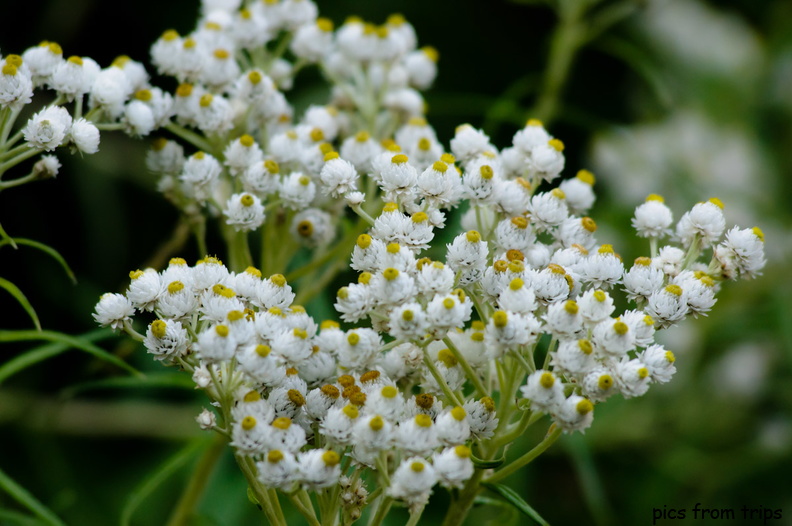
x,y
642,279
704,222
85,136
47,129
139,118
743,250
668,305
614,337
313,41
216,344
544,390
579,192
145,288
469,142
653,218
297,191
453,427
547,160
244,212
16,86
243,153
574,356
422,67
113,310
595,306
319,468
660,363
261,365
574,414
453,466
632,378
337,175
279,470
548,209
412,481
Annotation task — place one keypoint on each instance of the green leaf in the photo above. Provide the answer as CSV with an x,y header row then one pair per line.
x,y
5,238
13,518
178,380
20,297
22,496
44,248
480,463
160,475
39,354
513,498
72,341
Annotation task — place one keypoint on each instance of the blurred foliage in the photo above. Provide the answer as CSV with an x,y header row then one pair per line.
x,y
87,441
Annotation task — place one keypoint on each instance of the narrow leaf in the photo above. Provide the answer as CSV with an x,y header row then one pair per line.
x,y
5,238
20,297
46,249
22,496
14,518
72,341
160,475
513,498
177,380
39,354
480,463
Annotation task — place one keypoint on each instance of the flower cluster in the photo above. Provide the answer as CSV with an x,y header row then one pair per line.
x,y
522,300
297,395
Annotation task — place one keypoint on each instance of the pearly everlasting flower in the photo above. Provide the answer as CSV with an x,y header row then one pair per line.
x,y
244,212
84,135
653,218
337,175
319,468
166,339
47,129
659,362
742,252
453,466
704,223
579,192
113,310
412,481
278,470
16,86
548,209
544,390
145,289
576,413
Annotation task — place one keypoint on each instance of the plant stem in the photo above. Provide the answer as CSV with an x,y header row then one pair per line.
x,y
460,507
553,433
305,511
440,380
567,38
382,511
471,374
200,477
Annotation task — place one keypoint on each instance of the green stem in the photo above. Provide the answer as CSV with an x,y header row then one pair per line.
x,y
382,511
440,380
305,511
195,488
320,284
18,159
190,136
415,516
469,372
540,448
5,185
527,420
460,507
567,38
274,518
